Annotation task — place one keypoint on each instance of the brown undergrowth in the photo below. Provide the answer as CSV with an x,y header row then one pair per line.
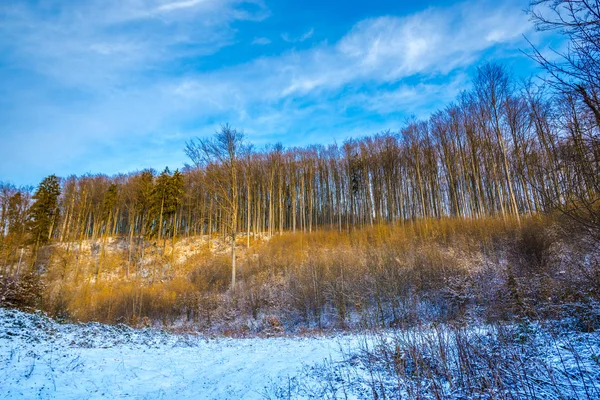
x,y
445,270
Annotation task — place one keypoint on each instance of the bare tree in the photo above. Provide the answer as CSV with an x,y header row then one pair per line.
x,y
225,149
577,69
493,88
575,76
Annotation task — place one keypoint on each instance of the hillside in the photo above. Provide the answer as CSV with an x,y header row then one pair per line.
x,y
387,276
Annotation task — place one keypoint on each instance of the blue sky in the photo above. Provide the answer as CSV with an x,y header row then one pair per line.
x,y
109,86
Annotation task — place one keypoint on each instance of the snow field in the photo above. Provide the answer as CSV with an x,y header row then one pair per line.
x,y
42,359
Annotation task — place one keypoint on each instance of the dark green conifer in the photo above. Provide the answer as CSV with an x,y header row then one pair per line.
x,y
44,211
166,196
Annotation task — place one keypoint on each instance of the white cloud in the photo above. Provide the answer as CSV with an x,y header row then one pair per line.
x,y
419,99
377,50
431,42
106,43
178,5
425,47
374,52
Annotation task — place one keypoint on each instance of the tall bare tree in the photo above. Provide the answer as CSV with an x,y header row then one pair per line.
x,y
225,149
575,76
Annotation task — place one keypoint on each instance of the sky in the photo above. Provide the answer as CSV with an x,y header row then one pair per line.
x,y
115,86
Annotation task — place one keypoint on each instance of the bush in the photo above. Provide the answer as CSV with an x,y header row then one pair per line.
x,y
22,292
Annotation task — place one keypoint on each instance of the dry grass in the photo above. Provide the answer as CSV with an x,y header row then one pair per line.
x,y
386,275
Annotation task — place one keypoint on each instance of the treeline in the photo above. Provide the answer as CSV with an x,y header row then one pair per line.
x,y
499,150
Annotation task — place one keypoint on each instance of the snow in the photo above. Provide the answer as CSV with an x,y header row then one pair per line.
x,y
42,359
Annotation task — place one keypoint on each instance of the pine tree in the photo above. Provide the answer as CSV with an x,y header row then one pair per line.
x,y
44,211
165,198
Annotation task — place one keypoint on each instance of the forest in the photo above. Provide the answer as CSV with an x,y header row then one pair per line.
x,y
490,208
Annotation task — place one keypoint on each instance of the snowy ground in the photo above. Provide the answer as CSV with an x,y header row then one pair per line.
x,y
42,359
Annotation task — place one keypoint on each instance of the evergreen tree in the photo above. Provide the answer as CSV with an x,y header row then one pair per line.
x,y
44,211
166,196
110,200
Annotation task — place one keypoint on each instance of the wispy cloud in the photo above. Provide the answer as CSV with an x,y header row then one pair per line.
x,y
178,5
130,79
115,42
387,49
305,36
376,51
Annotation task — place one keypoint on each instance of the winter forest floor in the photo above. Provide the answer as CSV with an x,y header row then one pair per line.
x,y
40,358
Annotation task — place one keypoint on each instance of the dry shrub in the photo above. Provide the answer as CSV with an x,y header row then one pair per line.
x,y
305,286
123,301
263,292
543,277
381,275
455,363
213,273
532,250
272,326
22,292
